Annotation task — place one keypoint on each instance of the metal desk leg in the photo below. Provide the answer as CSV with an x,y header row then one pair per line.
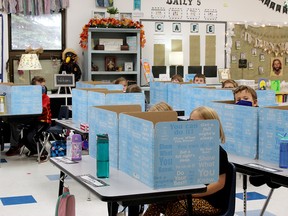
x,y
1,141
266,202
244,194
189,205
61,183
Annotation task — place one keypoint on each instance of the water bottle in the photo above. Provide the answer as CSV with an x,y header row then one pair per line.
x,y
102,156
69,145
283,159
76,147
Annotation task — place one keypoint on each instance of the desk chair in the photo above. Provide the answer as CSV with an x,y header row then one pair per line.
x,y
41,138
230,185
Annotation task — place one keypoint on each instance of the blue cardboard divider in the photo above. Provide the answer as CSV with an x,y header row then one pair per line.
x,y
162,153
158,92
22,99
240,125
105,120
91,84
272,120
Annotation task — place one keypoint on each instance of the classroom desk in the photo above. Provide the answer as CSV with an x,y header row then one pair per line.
x,y
5,118
121,187
248,166
69,124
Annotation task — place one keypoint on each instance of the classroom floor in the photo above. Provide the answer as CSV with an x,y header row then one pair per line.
x,y
30,189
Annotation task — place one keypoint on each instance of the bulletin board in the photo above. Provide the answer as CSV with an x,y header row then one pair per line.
x,y
202,42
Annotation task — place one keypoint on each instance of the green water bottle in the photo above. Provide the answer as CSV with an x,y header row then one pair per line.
x,y
102,156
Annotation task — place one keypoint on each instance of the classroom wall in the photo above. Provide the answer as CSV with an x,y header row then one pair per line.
x,y
79,13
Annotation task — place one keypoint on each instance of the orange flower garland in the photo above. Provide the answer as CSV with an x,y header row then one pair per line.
x,y
110,23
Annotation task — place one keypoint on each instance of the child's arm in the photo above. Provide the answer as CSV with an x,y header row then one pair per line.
x,y
213,187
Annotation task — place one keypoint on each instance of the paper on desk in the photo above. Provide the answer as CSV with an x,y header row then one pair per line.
x,y
91,180
268,169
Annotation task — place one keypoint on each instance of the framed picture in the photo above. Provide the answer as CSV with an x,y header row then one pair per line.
x,y
224,74
276,66
242,55
260,70
233,58
128,66
98,14
262,57
237,45
104,3
254,52
125,16
250,65
110,63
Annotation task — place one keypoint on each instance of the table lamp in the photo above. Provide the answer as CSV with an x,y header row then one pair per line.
x,y
29,62
176,59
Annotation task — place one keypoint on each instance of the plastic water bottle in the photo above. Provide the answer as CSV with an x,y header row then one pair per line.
x,y
76,147
69,145
102,156
283,159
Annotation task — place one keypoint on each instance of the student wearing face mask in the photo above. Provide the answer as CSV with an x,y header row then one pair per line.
x,y
245,95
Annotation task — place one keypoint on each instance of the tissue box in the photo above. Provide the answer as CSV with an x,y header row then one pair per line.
x,y
84,127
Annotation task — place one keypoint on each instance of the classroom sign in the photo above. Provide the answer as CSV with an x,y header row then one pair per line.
x,y
169,154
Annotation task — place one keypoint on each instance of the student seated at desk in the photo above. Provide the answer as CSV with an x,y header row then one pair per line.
x,y
134,88
177,78
247,96
209,202
199,79
122,81
30,125
229,83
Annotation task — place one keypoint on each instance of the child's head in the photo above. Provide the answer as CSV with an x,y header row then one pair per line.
x,y
229,83
245,93
199,79
177,78
122,81
38,80
133,89
205,113
160,107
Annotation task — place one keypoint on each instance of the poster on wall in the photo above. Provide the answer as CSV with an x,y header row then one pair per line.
x,y
137,4
104,3
276,66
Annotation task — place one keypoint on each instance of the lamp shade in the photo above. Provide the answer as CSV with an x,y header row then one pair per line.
x,y
176,58
29,62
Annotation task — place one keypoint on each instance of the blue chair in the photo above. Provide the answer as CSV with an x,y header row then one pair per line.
x,y
230,186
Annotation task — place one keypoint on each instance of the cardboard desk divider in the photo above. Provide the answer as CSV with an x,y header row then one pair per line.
x,y
176,91
105,119
272,120
98,84
22,99
80,98
240,125
195,97
162,152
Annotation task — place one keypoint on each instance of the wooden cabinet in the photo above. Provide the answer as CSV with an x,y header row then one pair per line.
x,y
106,65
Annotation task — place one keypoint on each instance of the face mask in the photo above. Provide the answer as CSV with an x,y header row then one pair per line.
x,y
244,103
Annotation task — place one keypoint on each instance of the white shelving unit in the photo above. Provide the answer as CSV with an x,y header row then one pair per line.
x,y
97,57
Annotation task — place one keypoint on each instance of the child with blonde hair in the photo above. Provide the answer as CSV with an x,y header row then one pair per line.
x,y
211,201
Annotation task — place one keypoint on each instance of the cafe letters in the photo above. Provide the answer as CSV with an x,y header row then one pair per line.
x,y
277,7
